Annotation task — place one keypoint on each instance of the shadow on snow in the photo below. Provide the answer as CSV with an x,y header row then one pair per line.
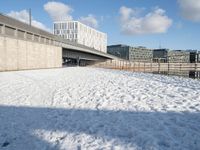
x,y
156,130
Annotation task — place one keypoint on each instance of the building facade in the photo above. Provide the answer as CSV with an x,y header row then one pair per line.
x,y
121,51
160,55
139,54
198,57
183,56
77,32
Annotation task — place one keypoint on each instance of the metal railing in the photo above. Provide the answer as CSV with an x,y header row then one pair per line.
x,y
182,69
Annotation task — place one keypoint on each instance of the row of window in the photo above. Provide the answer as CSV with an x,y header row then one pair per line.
x,y
67,25
65,31
96,34
72,27
69,36
92,31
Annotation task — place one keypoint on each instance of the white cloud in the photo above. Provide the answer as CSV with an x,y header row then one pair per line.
x,y
58,11
190,9
153,22
62,12
24,17
90,20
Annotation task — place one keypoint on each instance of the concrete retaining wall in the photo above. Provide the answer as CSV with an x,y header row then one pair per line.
x,y
18,54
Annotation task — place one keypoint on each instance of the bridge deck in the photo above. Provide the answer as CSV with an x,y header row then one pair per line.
x,y
17,29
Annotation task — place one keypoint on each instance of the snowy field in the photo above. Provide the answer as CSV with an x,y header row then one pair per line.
x,y
86,109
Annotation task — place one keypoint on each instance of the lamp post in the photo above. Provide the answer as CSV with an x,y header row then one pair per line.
x,y
30,19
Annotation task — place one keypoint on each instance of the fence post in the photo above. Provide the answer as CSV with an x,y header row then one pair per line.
x,y
168,68
195,66
121,64
115,64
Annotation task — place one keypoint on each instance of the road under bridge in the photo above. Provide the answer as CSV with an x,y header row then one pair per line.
x,y
75,57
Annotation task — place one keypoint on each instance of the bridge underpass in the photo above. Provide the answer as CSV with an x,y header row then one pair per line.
x,y
26,47
74,57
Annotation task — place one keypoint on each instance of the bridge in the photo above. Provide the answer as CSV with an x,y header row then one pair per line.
x,y
26,47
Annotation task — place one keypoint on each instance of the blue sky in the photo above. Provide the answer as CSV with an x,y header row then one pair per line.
x,y
173,24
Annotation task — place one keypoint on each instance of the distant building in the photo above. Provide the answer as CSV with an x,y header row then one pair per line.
x,y
198,57
121,51
183,56
160,55
139,54
77,32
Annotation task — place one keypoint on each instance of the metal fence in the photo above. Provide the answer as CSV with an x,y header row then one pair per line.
x,y
181,69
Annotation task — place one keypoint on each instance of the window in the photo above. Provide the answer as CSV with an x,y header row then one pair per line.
x,y
65,26
70,25
76,25
55,26
62,26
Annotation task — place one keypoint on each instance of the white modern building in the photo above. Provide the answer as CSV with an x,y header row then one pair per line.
x,y
78,32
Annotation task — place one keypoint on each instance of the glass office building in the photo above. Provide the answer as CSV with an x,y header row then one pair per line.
x,y
78,32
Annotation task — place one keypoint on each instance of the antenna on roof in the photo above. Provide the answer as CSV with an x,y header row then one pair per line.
x,y
30,19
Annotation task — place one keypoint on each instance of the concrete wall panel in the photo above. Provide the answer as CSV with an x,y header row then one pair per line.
x,y
42,56
37,61
50,56
2,54
30,55
11,54
20,54
56,57
59,55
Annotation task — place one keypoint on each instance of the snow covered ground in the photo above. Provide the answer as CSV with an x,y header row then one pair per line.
x,y
86,108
